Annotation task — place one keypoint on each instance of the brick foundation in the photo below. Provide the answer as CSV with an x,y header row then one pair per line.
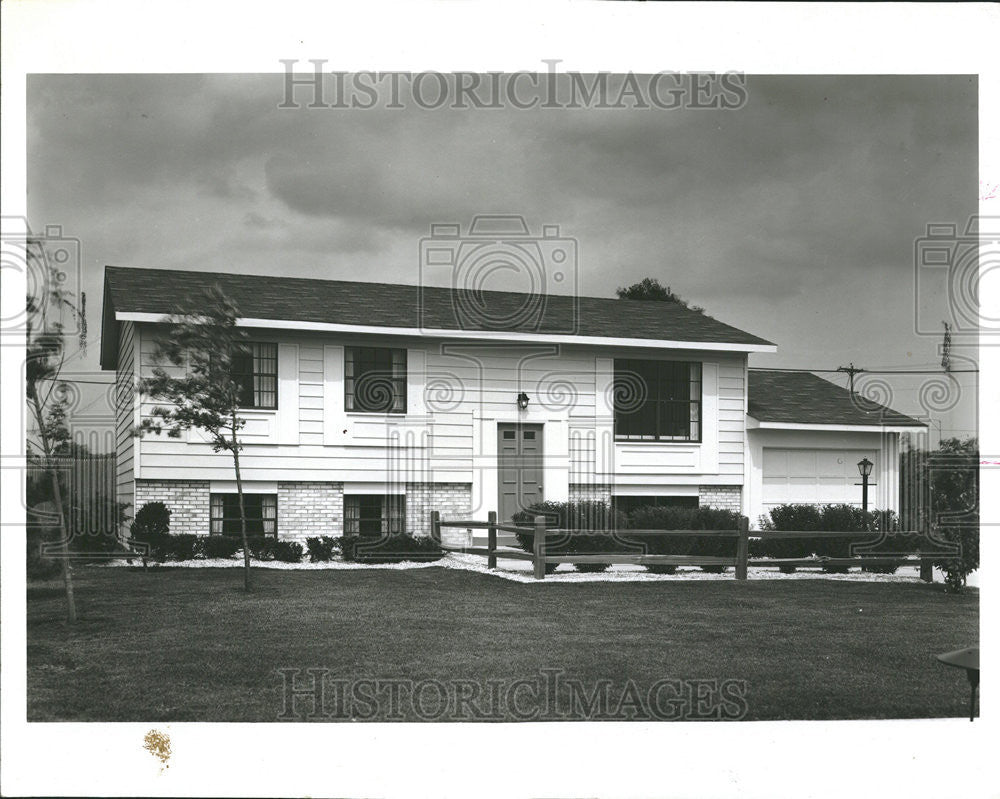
x,y
309,510
721,497
187,500
585,492
451,500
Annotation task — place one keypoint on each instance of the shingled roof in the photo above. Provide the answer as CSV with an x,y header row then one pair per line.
x,y
161,291
804,398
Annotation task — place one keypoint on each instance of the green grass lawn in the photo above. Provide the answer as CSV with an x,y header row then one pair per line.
x,y
189,645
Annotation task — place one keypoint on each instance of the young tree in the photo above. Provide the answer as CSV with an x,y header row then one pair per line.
x,y
45,341
203,342
649,288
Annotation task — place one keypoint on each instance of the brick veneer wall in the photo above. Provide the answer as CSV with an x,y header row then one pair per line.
x,y
722,497
310,509
585,492
187,500
451,500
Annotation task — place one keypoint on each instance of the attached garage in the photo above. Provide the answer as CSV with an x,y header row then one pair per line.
x,y
805,437
817,476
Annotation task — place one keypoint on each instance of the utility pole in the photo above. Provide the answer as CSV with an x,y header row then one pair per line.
x,y
851,371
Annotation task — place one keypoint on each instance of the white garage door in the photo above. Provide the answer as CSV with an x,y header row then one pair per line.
x,y
815,475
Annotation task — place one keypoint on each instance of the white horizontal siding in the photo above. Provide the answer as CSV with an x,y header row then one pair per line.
x,y
466,390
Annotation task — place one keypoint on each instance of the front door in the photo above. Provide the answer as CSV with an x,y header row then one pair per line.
x,y
519,467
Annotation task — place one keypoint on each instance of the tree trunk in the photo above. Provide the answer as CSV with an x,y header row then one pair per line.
x,y
67,567
243,513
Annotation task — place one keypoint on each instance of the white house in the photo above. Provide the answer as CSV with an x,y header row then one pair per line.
x,y
368,405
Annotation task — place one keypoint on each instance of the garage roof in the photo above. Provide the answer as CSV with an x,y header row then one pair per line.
x,y
804,398
342,302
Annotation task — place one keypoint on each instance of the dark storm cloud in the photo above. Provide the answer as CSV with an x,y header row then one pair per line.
x,y
814,189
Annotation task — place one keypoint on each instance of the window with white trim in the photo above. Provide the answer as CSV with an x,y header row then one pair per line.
x,y
374,514
255,371
375,379
261,511
657,400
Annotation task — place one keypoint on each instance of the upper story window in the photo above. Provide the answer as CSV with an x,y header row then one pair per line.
x,y
375,379
657,400
255,370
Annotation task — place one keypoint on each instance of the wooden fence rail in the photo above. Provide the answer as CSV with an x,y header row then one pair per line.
x,y
540,556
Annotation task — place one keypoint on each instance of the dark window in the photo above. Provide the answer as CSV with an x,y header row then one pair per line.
x,y
374,514
657,400
629,504
261,512
255,371
375,380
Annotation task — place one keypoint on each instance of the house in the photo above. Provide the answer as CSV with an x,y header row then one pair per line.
x,y
368,405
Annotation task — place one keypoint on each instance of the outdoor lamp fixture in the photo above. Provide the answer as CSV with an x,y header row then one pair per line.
x,y
522,400
865,469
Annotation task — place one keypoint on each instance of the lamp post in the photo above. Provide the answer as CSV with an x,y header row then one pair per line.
x,y
865,469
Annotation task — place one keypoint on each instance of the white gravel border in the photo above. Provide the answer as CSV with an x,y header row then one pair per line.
x,y
521,571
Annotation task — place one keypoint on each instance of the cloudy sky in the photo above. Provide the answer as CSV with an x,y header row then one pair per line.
x,y
793,217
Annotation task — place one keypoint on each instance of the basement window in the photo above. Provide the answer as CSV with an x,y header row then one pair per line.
x,y
374,514
261,512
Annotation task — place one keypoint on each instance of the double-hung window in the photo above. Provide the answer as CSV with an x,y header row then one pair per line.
x,y
374,514
255,371
657,400
261,511
375,379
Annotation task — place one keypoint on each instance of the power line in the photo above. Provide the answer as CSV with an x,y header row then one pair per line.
x,y
868,371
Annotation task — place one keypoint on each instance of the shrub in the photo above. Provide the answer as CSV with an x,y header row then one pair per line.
x,y
675,518
151,523
389,549
261,546
287,551
177,547
588,515
219,546
322,549
848,518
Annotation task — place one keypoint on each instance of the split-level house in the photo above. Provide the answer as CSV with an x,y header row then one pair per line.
x,y
369,405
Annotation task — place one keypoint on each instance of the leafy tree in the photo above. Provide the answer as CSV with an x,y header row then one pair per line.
x,y
47,399
649,288
203,341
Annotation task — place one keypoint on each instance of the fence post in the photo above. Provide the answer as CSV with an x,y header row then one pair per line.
x,y
742,548
926,564
436,526
491,540
539,547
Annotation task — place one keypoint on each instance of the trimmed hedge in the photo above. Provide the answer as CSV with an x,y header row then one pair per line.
x,y
590,515
600,518
389,549
675,518
220,546
848,518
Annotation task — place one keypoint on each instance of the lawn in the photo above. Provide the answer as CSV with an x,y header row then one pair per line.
x,y
189,645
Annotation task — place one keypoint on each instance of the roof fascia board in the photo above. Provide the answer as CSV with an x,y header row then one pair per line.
x,y
754,424
607,341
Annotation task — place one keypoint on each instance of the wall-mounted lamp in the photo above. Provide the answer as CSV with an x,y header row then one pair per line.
x,y
522,400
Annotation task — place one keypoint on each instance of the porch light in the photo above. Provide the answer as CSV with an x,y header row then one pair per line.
x,y
865,468
522,400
